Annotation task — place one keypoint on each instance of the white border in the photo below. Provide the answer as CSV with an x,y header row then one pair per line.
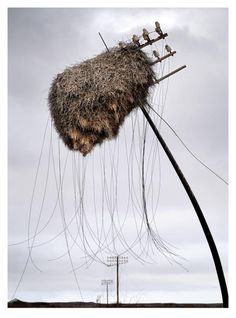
x,y
4,312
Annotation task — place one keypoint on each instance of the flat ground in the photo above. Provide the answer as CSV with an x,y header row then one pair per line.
x,y
22,304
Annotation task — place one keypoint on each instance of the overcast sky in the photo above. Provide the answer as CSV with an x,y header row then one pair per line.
x,y
42,42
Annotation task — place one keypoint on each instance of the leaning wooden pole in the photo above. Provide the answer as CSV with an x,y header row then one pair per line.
x,y
206,230
202,220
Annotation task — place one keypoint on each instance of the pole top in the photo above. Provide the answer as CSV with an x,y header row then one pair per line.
x,y
106,282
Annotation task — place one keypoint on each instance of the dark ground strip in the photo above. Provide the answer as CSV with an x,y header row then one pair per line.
x,y
22,304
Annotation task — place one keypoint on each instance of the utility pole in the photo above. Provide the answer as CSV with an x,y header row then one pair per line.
x,y
107,282
117,260
202,220
117,279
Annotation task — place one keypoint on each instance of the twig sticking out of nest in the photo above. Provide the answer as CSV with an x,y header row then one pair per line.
x,y
89,101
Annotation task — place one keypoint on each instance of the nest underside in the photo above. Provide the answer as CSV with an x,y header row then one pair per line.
x,y
89,101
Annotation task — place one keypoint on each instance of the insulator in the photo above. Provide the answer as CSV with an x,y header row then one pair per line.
x,y
122,44
159,31
156,54
146,35
135,39
168,48
158,28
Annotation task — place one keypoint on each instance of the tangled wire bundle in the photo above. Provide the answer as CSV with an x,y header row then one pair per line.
x,y
89,101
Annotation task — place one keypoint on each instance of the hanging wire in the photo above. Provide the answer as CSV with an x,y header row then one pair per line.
x,y
107,233
30,212
187,148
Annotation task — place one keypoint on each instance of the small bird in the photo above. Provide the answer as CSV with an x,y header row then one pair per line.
x,y
156,54
122,44
158,28
146,35
168,48
135,39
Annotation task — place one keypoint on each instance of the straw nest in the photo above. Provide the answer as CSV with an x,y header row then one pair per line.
x,y
89,101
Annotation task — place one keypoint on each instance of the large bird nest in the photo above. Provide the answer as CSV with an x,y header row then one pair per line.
x,y
89,101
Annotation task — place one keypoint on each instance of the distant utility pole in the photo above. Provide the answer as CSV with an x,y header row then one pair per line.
x,y
117,260
107,282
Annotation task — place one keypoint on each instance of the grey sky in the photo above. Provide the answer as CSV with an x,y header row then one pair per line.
x,y
42,42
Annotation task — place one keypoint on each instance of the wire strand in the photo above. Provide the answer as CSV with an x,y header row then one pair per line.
x,y
187,148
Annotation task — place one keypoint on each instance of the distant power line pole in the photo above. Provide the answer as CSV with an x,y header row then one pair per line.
x,y
107,282
117,260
